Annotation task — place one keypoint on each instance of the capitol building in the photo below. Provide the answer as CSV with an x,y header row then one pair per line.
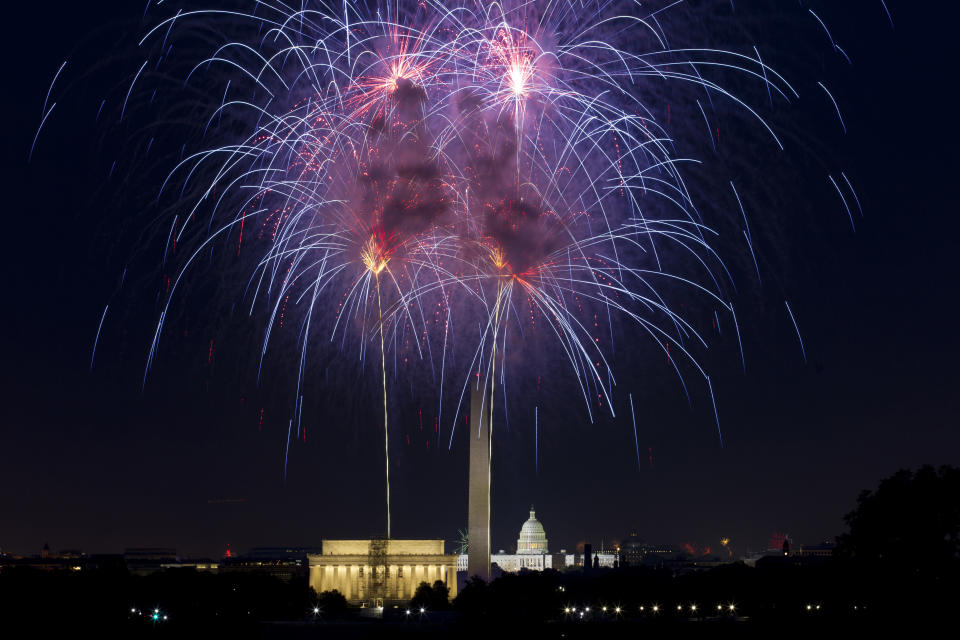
x,y
533,553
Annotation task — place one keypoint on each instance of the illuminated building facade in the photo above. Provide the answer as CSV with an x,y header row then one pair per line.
x,y
533,539
532,551
381,572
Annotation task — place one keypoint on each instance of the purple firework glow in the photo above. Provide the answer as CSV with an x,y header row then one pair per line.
x,y
457,184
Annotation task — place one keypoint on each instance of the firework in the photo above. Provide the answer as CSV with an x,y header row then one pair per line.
x,y
395,171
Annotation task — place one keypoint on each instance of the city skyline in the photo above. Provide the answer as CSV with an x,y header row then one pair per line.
x,y
195,456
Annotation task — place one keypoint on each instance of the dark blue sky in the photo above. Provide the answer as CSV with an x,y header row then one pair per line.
x,y
91,461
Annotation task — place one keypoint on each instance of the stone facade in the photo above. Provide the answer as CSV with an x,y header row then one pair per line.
x,y
514,562
372,575
533,539
478,498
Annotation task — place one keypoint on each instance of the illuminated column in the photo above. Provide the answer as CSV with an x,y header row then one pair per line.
x,y
478,507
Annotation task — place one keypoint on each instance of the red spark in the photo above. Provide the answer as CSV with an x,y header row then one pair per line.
x,y
240,243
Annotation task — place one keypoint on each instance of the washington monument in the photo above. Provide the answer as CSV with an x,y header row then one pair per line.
x,y
478,506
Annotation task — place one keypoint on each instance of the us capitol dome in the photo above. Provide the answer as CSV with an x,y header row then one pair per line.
x,y
533,539
533,555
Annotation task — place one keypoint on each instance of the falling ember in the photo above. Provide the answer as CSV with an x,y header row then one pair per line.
x,y
636,441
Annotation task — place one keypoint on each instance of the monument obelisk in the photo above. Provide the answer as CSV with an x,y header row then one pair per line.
x,y
478,505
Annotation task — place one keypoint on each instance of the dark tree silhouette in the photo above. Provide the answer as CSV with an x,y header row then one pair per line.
x,y
901,554
433,598
473,600
441,595
909,525
332,603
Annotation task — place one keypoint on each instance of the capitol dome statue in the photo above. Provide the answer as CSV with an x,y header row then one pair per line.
x,y
533,539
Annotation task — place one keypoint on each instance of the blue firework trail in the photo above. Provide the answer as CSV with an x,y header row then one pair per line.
x,y
446,185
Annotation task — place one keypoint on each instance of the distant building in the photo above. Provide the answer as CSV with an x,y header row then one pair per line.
x,y
632,550
823,550
271,553
197,564
285,563
802,554
381,572
66,560
147,560
600,559
533,553
635,552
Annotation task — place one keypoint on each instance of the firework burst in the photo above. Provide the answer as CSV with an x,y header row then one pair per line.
x,y
404,168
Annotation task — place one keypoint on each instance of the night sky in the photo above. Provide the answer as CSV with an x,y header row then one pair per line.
x,y
92,460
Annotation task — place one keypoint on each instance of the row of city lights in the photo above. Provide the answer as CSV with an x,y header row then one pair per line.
x,y
156,615
653,608
587,610
656,609
316,610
